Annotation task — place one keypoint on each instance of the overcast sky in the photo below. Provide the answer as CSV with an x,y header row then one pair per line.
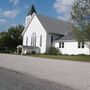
x,y
13,12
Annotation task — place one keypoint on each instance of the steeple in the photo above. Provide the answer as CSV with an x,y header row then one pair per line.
x,y
31,11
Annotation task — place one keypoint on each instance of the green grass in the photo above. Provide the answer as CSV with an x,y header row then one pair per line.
x,y
65,57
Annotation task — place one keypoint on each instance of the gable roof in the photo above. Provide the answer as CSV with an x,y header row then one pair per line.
x,y
52,25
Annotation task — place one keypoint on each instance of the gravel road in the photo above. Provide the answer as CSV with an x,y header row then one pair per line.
x,y
53,74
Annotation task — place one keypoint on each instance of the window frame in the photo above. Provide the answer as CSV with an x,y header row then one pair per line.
x,y
61,44
33,39
81,45
26,41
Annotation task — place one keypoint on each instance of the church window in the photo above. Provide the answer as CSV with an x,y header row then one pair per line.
x,y
40,40
26,41
33,39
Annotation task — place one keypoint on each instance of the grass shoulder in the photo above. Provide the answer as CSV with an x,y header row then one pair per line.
x,y
84,58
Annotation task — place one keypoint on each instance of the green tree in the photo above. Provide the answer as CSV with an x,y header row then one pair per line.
x,y
12,38
15,34
81,21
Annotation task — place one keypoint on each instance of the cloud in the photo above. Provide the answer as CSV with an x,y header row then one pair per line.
x,y
2,21
63,7
15,2
64,17
10,13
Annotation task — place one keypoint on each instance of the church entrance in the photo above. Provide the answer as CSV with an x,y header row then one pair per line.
x,y
19,49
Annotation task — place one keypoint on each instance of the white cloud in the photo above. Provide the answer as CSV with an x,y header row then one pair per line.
x,y
2,21
10,13
15,2
13,25
64,17
63,7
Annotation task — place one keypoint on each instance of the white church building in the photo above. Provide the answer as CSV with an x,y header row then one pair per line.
x,y
42,32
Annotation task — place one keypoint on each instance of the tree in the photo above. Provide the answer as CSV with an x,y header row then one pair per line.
x,y
15,34
12,38
81,21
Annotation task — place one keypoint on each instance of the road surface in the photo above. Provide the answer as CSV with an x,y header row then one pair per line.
x,y
12,80
43,74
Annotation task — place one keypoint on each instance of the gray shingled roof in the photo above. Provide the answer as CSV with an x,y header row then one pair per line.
x,y
52,25
68,36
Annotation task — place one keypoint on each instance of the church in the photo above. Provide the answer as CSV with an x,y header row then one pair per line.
x,y
42,32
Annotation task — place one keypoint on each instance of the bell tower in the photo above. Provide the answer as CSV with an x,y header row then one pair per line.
x,y
29,15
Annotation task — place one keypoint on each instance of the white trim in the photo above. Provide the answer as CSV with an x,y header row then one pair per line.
x,y
28,24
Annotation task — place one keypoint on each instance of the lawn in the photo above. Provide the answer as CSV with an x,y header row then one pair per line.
x,y
65,57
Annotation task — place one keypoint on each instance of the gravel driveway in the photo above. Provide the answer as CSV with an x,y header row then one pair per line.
x,y
68,73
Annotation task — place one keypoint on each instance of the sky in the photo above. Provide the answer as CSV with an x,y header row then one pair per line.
x,y
13,12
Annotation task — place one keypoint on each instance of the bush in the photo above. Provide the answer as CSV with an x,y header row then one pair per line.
x,y
82,55
7,50
53,51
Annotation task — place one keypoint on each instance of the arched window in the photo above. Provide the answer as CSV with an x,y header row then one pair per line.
x,y
26,41
33,39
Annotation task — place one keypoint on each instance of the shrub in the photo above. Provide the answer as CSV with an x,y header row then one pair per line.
x,y
82,55
53,51
7,50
